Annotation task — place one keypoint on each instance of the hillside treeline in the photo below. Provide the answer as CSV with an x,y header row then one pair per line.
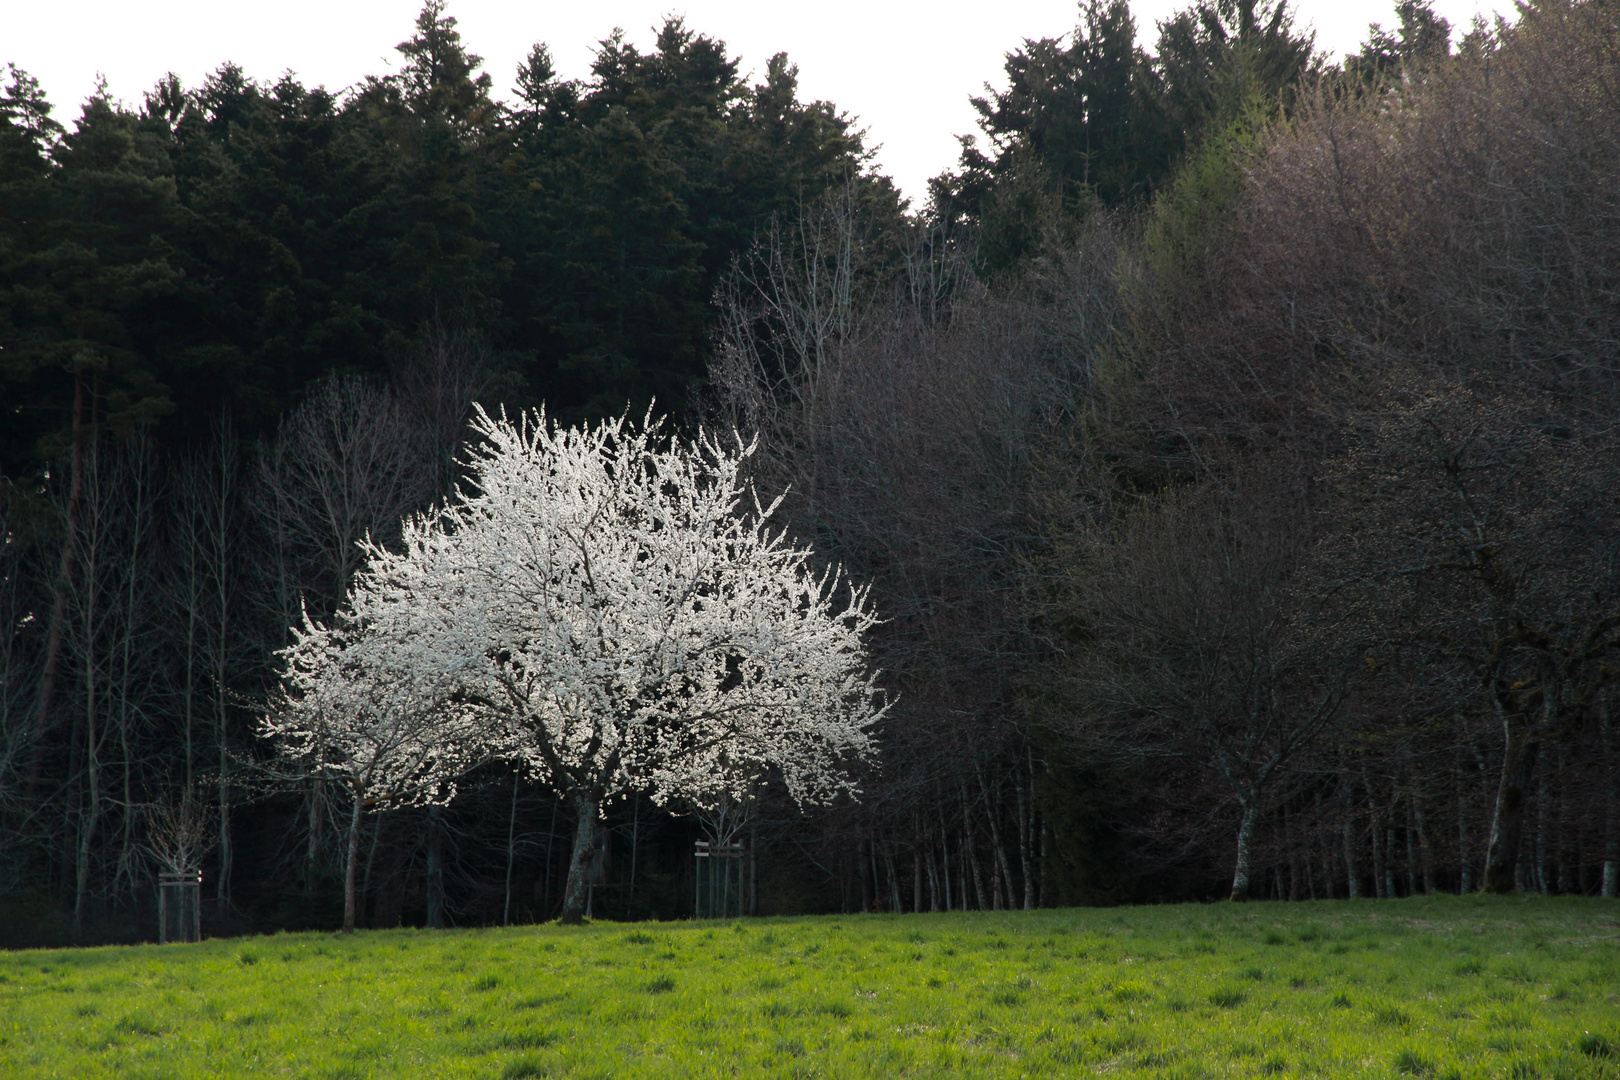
x,y
1228,443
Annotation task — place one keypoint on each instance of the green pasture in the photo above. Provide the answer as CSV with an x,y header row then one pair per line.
x,y
1425,988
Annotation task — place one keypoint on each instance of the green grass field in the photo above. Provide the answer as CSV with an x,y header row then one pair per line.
x,y
1442,987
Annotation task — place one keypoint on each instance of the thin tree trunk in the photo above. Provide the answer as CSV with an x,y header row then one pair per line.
x,y
227,854
219,510
964,857
872,846
1538,849
969,855
587,807
63,585
1425,849
1327,850
1465,876
1611,811
1380,882
1026,836
511,852
1566,863
1507,825
1351,876
90,817
1293,843
134,564
364,894
1245,840
1411,847
545,877
351,863
935,894
1003,888
863,872
435,868
1043,898
916,877
894,880
1310,868
635,843
312,854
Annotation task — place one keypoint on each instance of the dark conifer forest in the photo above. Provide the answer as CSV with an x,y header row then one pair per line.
x,y
1229,441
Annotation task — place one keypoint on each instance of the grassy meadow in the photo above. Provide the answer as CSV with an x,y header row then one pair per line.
x,y
1427,988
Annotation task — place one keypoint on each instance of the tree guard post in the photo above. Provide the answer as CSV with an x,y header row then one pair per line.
x,y
719,884
179,906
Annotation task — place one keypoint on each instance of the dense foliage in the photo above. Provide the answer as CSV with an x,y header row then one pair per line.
x,y
220,248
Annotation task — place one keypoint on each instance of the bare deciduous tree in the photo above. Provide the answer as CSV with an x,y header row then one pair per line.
x,y
1191,647
1485,529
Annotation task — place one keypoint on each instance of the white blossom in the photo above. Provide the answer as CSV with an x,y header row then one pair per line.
x,y
613,608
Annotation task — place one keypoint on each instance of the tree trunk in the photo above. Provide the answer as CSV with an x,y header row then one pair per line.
x,y
435,868
587,807
91,815
365,892
1293,858
935,893
1465,878
864,869
1327,850
1006,872
221,500
1026,835
1380,880
1352,877
1043,861
916,877
63,584
542,888
1611,812
1539,849
635,844
1425,850
313,853
969,855
351,864
1507,825
1003,885
1245,840
511,854
894,880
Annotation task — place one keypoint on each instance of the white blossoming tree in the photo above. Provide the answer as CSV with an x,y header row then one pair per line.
x,y
614,608
361,704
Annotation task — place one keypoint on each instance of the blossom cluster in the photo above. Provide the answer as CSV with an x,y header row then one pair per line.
x,y
608,605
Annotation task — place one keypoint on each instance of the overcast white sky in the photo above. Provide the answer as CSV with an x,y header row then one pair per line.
x,y
904,69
